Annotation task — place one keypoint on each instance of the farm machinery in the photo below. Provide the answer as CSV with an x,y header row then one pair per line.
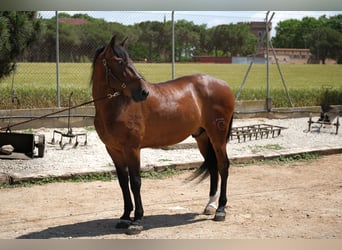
x,y
329,116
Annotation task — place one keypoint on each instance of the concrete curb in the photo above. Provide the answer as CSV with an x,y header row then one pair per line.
x,y
84,116
12,179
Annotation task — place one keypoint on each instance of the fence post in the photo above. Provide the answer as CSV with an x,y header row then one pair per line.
x,y
57,63
173,44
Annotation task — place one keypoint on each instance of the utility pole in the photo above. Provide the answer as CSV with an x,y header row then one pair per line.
x,y
267,30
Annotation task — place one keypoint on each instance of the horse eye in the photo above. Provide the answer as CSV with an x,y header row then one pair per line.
x,y
120,62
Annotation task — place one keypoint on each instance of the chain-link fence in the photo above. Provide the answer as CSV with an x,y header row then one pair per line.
x,y
61,58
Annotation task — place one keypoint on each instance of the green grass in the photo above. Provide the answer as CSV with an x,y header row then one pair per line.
x,y
302,157
106,176
78,178
259,148
35,83
159,174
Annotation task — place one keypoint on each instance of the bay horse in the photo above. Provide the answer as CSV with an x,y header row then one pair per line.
x,y
139,114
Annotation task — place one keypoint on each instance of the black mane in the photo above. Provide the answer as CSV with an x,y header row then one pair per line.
x,y
98,51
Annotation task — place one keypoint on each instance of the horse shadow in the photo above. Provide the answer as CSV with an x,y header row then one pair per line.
x,y
104,227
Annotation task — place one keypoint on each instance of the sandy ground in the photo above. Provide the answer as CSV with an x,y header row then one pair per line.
x,y
294,200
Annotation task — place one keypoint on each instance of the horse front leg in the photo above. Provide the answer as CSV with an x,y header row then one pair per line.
x,y
128,205
122,174
135,182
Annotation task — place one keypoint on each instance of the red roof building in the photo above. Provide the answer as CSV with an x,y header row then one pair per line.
x,y
73,21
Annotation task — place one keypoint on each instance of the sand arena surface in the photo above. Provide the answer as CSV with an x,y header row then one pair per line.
x,y
295,200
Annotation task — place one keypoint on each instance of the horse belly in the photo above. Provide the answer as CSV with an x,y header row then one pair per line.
x,y
168,132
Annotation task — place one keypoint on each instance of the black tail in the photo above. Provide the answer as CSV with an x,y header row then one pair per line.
x,y
230,128
210,162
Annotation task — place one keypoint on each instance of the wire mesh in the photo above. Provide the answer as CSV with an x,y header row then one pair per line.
x,y
81,33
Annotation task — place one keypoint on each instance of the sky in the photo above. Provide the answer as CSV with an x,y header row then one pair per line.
x,y
210,18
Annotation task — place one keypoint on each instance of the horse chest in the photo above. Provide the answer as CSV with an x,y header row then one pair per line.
x,y
134,122
119,128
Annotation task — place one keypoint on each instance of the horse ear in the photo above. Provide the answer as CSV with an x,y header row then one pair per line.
x,y
124,41
112,41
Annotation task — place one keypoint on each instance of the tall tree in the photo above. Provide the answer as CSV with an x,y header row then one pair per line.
x,y
286,34
233,40
152,37
335,22
305,28
18,29
187,39
204,41
326,42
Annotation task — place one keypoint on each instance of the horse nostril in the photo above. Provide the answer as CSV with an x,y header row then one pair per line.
x,y
144,93
139,95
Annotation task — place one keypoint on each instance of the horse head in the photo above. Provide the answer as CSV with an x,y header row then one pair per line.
x,y
121,74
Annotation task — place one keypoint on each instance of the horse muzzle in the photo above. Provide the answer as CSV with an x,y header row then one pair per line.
x,y
139,94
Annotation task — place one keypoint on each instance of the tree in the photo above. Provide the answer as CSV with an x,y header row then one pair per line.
x,y
187,39
335,22
293,33
326,42
322,36
286,34
18,29
153,37
233,40
305,29
94,34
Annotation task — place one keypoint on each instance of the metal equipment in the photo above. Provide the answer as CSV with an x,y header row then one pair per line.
x,y
70,133
327,117
255,132
23,145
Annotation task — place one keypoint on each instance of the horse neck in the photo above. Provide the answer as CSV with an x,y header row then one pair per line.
x,y
100,86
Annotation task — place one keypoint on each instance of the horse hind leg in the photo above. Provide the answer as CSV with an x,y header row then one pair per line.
x,y
209,167
223,169
218,137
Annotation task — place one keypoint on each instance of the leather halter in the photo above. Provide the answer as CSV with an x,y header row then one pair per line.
x,y
109,73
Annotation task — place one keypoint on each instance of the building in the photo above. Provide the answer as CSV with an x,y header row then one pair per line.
x,y
288,55
72,21
258,28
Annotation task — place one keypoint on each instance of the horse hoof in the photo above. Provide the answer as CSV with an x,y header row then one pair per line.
x,y
123,224
134,229
209,210
220,216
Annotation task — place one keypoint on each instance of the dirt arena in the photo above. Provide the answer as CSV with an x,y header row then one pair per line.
x,y
295,200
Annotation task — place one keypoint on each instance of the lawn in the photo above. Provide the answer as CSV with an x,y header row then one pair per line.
x,y
35,83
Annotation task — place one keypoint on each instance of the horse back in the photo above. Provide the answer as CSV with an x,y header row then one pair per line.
x,y
207,88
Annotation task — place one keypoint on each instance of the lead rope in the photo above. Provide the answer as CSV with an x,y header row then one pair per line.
x,y
108,96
